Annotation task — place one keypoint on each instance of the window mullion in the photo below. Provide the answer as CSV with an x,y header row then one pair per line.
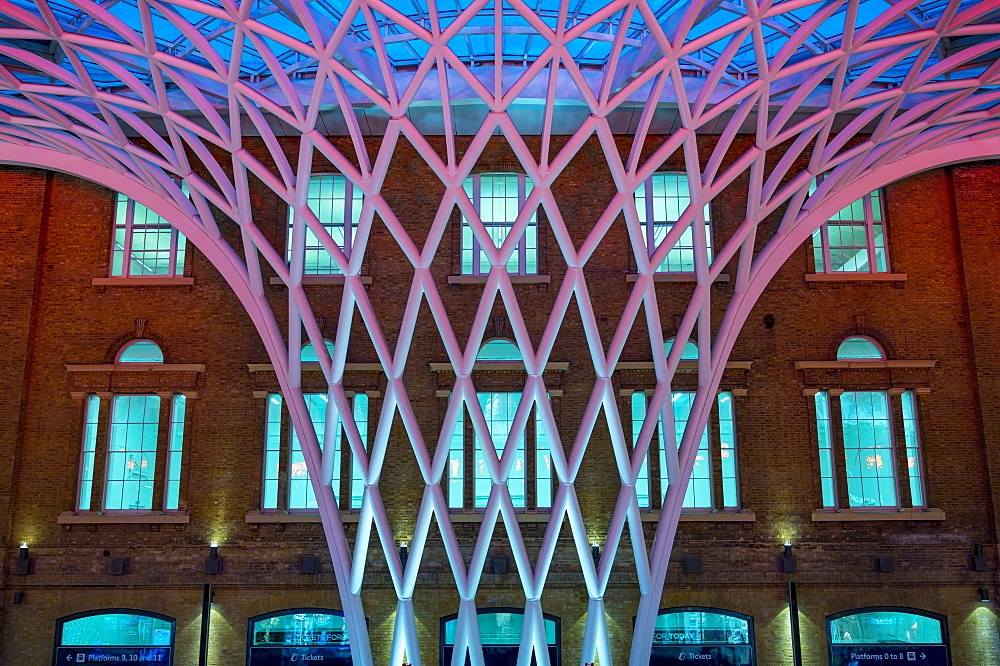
x,y
99,490
127,243
522,250
284,457
715,457
348,218
650,225
825,239
477,206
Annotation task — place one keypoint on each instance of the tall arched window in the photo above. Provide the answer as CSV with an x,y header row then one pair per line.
x,y
337,205
134,448
660,202
863,423
122,635
499,408
499,198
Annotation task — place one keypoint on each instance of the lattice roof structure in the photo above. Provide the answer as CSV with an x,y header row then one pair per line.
x,y
142,94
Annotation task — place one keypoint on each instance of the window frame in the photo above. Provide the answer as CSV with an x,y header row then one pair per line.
x,y
347,224
521,252
752,639
869,222
650,226
177,249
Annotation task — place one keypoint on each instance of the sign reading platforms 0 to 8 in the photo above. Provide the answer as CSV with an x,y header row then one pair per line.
x,y
137,656
859,655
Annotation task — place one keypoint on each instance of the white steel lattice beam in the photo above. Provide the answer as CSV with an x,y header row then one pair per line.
x,y
136,93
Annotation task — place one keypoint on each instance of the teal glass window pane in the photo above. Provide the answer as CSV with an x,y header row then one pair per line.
x,y
498,198
499,350
145,245
871,472
543,465
500,629
132,453
690,352
272,452
88,453
456,464
116,629
696,627
699,490
357,480
914,464
300,491
859,348
661,202
850,236
141,351
337,204
727,451
301,629
886,627
642,487
499,410
826,472
308,353
175,453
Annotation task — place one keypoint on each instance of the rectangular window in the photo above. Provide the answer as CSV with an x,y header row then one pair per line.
x,y
660,202
361,419
89,451
456,465
145,245
826,470
132,453
300,490
543,466
871,472
914,464
498,198
272,452
700,494
847,241
336,203
642,488
175,453
499,409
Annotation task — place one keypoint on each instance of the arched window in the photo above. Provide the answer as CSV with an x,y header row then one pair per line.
x,y
660,202
299,635
140,351
336,203
500,635
130,467
866,429
499,409
880,634
690,352
308,353
125,634
857,232
499,198
859,348
709,635
145,245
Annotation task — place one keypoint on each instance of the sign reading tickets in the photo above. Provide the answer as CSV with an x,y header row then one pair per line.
x,y
136,656
859,655
710,655
327,655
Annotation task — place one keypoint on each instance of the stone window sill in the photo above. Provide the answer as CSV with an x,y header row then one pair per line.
x,y
675,277
515,279
138,367
260,517
716,517
311,280
552,366
97,518
851,515
152,281
856,277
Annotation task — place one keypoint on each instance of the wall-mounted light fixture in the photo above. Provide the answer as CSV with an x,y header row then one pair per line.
x,y
24,564
977,561
595,551
214,563
984,595
787,563
404,553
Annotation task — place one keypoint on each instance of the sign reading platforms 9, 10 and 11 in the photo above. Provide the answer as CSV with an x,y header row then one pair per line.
x,y
136,656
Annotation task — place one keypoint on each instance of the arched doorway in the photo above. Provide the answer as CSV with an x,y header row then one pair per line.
x,y
704,636
298,635
500,634
115,635
906,635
